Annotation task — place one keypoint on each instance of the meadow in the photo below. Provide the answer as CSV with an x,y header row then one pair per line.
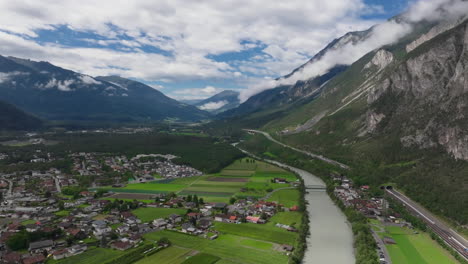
x,y
414,248
287,198
245,177
92,256
170,255
227,247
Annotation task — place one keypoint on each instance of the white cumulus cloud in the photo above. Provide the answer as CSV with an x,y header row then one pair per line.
x,y
213,105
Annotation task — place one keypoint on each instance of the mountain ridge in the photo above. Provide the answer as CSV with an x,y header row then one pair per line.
x,y
55,93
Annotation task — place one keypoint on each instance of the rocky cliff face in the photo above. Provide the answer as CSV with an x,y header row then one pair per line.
x,y
430,92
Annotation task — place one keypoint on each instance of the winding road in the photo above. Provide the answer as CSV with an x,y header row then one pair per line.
x,y
313,155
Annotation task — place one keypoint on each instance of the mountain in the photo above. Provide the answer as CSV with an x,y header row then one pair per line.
x,y
398,114
220,102
191,101
54,93
11,118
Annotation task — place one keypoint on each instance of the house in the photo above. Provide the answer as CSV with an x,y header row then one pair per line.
x,y
194,215
233,219
188,228
77,249
252,219
174,218
389,241
76,233
120,245
123,229
219,205
144,228
32,228
221,218
36,259
126,215
12,257
40,246
204,223
99,224
60,254
160,223
280,180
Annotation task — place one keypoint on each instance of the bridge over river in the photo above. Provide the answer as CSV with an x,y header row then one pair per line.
x,y
316,187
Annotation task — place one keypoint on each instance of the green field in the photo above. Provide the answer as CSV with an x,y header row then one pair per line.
x,y
218,187
92,256
257,244
155,186
62,213
288,198
287,218
237,173
202,258
170,255
413,248
243,164
227,247
148,214
266,232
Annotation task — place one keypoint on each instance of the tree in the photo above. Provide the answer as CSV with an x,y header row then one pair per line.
x,y
61,205
103,241
164,241
189,198
18,241
232,200
201,201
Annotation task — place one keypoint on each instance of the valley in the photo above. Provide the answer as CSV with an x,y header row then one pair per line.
x,y
221,132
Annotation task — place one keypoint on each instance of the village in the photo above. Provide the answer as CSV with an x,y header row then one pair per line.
x,y
45,215
373,208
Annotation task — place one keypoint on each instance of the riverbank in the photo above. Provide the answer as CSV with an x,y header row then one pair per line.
x,y
331,238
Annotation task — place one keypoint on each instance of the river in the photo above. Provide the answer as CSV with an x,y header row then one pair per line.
x,y
331,238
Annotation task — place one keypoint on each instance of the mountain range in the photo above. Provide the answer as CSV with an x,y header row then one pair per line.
x,y
219,102
54,93
12,118
397,114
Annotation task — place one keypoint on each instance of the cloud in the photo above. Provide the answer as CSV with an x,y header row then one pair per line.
x,y
383,34
195,93
63,86
188,31
88,79
6,76
213,105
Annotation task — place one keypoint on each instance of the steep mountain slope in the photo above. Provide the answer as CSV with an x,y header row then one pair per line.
x,y
399,114
58,94
220,102
11,118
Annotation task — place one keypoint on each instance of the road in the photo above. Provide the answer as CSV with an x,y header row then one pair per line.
x,y
452,238
382,247
315,156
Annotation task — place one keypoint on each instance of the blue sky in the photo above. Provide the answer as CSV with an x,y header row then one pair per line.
x,y
186,49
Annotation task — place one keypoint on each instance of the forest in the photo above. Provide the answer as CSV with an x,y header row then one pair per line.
x,y
203,153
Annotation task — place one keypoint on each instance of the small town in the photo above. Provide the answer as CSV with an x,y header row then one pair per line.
x,y
45,216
